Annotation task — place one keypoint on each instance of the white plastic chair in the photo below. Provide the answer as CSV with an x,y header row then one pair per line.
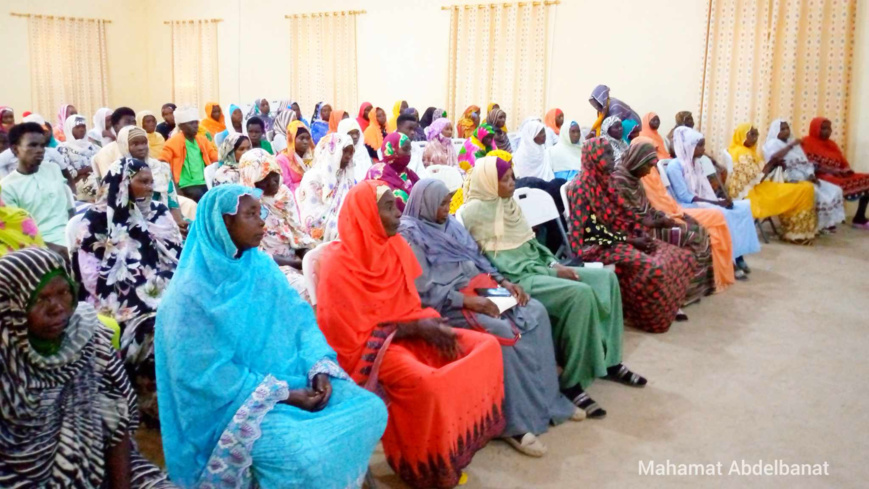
x,y
539,208
210,170
728,161
311,270
563,191
72,228
416,164
457,144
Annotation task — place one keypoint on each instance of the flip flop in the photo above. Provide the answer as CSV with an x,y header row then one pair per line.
x,y
530,445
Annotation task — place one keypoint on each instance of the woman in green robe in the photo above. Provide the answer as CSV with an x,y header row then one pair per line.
x,y
584,304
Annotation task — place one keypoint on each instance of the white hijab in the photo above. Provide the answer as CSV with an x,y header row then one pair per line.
x,y
531,159
361,160
685,140
96,134
68,125
566,156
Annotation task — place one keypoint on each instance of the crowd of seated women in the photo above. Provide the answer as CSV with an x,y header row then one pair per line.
x,y
430,315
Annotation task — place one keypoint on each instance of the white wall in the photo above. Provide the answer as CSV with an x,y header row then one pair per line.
x,y
649,53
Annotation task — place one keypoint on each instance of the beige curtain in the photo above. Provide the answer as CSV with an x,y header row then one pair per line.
x,y
769,59
195,79
498,53
67,65
323,59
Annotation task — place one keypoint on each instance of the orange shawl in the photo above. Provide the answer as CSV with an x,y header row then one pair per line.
x,y
654,137
549,120
211,125
334,120
374,132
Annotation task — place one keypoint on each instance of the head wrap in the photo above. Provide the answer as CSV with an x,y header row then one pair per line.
x,y
531,159
186,114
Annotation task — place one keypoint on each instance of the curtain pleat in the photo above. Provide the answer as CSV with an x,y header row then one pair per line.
x,y
195,78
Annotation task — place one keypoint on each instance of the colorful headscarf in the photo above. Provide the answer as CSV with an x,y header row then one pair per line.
x,y
228,171
653,134
323,188
360,118
550,118
474,147
439,150
495,223
392,123
466,124
737,147
18,230
600,94
489,109
393,169
618,145
502,141
628,126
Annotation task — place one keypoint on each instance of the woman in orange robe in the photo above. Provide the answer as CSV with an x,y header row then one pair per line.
x,y
444,387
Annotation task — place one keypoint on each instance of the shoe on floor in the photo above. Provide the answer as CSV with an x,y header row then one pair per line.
x,y
578,415
739,274
530,445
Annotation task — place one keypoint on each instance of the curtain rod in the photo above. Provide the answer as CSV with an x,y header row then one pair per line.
x,y
326,14
190,21
38,16
481,5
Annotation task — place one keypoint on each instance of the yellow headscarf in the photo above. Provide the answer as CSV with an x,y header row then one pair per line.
x,y
155,139
392,124
737,143
17,230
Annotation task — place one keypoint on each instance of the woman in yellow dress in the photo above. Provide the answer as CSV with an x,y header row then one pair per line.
x,y
751,179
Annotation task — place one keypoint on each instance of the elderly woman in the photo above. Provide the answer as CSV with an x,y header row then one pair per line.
x,y
393,170
654,275
477,145
613,133
584,304
325,185
691,189
653,200
685,232
285,239
253,395
440,150
232,149
77,152
69,413
565,158
780,146
125,254
445,385
794,203
453,269
832,166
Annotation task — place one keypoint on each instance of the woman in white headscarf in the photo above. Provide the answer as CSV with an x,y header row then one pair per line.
x,y
531,159
829,201
361,161
612,131
77,151
566,156
101,134
322,191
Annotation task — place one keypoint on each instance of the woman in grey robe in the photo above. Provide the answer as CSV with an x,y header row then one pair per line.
x,y
452,268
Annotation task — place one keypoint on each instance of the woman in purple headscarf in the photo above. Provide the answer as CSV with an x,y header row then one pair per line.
x,y
440,150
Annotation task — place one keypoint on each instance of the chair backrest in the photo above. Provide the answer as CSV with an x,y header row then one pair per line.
x,y
537,206
728,161
210,170
457,144
417,148
563,191
311,270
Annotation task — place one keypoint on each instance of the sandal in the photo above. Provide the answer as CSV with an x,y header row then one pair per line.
x,y
626,377
529,445
578,415
681,316
864,226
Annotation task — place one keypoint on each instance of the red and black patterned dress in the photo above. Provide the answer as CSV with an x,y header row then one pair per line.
x,y
654,285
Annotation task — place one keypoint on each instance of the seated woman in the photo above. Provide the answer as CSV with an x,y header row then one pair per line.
x,y
607,106
393,170
231,150
17,230
445,386
375,133
566,156
397,109
531,159
69,414
654,275
691,188
320,121
469,121
419,132
324,187
554,120
477,145
584,305
653,200
236,125
793,203
685,233
497,118
683,119
452,269
125,266
832,166
829,202
361,161
148,121
77,153
297,157
252,396
439,150
613,133
630,130
285,239
278,133
649,129
335,118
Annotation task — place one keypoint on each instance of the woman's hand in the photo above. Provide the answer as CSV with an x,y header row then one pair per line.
x,y
438,333
481,305
517,292
287,261
566,273
643,243
322,385
307,399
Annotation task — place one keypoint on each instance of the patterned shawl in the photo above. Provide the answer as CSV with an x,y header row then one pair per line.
x,y
60,412
466,124
228,170
474,147
685,140
439,150
629,187
617,145
323,187
136,242
797,165
502,141
393,169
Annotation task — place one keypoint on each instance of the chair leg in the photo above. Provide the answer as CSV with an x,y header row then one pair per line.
x,y
566,244
759,225
772,225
